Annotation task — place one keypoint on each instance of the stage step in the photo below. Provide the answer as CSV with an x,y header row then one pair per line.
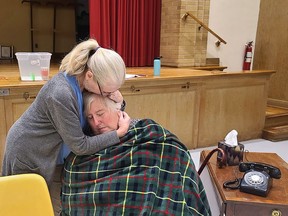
x,y
276,123
277,133
276,116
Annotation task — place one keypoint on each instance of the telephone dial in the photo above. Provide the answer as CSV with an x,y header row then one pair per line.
x,y
257,179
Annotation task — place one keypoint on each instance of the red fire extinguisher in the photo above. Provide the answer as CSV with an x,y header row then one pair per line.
x,y
248,56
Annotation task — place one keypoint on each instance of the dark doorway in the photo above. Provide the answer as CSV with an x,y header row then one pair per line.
x,y
82,20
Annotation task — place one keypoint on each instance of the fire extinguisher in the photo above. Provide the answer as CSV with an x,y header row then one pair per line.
x,y
248,56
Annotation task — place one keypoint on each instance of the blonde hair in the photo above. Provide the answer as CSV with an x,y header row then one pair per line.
x,y
106,65
89,97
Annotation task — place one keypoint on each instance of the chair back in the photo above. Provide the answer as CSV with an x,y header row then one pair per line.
x,y
24,194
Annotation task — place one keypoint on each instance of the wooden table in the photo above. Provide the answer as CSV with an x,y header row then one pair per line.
x,y
234,202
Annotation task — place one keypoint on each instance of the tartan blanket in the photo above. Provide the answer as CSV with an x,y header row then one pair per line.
x,y
150,172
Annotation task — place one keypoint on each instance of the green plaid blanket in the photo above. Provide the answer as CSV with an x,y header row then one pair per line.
x,y
150,172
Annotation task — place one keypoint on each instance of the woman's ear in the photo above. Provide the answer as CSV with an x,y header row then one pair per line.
x,y
119,113
89,74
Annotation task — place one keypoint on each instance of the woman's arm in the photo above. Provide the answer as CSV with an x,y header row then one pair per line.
x,y
62,111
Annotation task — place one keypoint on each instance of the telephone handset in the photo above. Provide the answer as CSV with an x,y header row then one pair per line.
x,y
258,177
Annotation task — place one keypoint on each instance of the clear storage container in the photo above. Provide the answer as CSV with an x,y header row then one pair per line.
x,y
34,65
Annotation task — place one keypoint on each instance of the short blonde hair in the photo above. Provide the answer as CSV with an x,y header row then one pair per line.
x,y
106,65
89,97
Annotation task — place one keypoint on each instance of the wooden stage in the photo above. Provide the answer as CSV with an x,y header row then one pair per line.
x,y
199,106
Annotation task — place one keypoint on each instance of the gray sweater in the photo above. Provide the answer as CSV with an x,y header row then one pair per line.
x,y
33,142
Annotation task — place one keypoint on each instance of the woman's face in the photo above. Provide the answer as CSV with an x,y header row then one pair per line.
x,y
100,118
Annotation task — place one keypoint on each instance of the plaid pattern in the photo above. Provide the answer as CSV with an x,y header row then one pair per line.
x,y
149,173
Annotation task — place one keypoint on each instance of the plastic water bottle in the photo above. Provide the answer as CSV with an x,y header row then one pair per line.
x,y
157,66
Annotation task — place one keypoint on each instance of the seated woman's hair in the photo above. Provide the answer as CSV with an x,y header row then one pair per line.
x,y
89,97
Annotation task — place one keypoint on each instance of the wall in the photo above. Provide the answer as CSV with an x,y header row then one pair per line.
x,y
271,47
236,22
181,43
15,27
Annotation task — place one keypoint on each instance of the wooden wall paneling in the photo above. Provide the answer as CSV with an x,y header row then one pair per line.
x,y
271,46
15,107
225,103
179,118
3,130
11,108
18,100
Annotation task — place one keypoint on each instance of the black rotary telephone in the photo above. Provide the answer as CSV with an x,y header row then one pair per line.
x,y
257,178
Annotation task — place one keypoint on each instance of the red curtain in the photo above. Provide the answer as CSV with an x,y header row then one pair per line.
x,y
130,27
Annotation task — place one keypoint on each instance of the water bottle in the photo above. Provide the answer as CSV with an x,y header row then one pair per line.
x,y
157,66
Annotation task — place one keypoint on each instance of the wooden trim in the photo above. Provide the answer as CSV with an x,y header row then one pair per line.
x,y
205,26
277,103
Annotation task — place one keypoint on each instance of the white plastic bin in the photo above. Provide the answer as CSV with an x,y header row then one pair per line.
x,y
33,65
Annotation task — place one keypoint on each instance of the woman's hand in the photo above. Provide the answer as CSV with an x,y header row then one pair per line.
x,y
116,97
124,122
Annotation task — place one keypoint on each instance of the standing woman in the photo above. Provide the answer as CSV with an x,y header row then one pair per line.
x,y
56,116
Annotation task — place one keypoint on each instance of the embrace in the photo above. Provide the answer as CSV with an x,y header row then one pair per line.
x,y
149,172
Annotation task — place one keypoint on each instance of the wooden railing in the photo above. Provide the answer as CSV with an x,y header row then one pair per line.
x,y
220,40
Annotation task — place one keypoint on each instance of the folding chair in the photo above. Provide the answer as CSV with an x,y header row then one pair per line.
x,y
24,194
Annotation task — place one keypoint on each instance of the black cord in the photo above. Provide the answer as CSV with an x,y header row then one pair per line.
x,y
232,184
235,184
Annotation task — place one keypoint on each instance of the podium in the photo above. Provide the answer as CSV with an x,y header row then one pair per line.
x,y
236,203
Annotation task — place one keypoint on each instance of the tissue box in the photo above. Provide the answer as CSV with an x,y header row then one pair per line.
x,y
33,65
234,155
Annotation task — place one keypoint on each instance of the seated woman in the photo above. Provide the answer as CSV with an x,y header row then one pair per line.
x,y
150,172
